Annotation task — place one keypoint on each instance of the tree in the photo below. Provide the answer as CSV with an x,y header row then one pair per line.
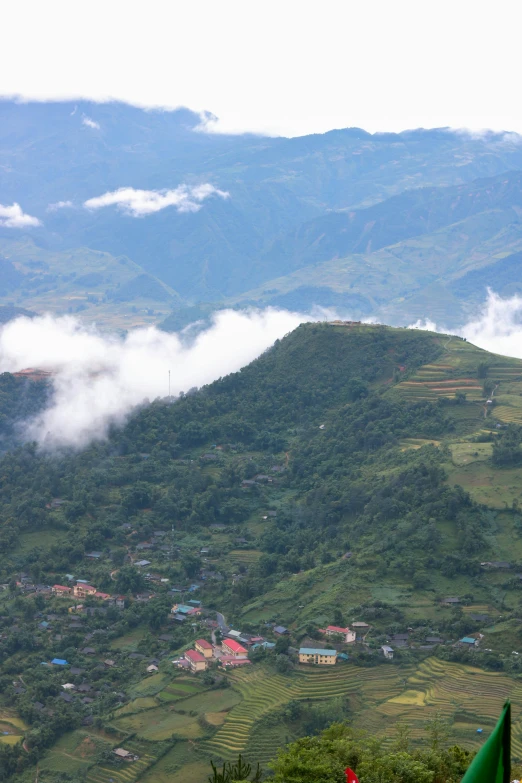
x,y
283,664
323,759
129,580
237,772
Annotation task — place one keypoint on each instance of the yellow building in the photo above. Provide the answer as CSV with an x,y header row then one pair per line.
x,y
196,661
204,647
317,655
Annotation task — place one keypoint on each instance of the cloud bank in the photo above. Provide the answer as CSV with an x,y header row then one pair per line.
x,y
14,217
498,327
145,202
100,379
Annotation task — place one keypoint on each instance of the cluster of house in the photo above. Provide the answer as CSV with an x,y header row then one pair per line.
x,y
231,655
328,657
233,651
182,612
84,590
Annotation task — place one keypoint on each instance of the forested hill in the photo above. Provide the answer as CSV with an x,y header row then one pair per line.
x,y
351,473
315,368
327,406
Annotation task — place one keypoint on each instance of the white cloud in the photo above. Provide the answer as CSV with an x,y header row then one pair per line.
x,y
99,379
59,205
14,217
498,327
90,123
138,203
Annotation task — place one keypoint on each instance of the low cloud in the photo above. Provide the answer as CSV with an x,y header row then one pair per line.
x,y
498,327
14,217
145,202
90,123
59,205
99,379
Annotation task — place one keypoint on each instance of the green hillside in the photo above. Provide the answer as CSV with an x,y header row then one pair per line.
x,y
352,473
113,292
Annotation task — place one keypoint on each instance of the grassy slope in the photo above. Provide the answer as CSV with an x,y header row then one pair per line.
x,y
399,278
96,275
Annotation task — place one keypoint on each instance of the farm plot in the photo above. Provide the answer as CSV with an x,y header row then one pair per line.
x,y
149,686
508,414
74,752
464,453
457,371
180,689
12,728
160,723
217,700
245,556
417,443
125,771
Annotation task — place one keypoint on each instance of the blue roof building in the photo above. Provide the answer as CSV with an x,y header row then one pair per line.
x,y
59,662
317,655
468,640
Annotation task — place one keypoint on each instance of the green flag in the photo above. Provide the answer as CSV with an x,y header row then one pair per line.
x,y
492,764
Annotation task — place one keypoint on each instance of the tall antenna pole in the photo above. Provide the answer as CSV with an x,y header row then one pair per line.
x,y
169,385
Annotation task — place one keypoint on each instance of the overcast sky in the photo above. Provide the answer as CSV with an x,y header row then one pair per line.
x,y
278,66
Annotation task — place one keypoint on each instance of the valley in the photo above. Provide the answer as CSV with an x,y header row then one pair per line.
x,y
351,474
390,226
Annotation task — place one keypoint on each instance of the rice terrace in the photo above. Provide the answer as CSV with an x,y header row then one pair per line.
x,y
174,733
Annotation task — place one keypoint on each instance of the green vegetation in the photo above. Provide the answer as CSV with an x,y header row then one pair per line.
x,y
338,478
111,290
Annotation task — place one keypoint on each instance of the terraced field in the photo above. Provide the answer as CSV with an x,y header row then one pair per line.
x,y
264,691
245,556
457,371
12,727
380,697
128,771
468,698
508,413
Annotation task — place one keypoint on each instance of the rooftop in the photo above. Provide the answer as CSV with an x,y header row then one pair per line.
x,y
235,646
316,651
194,656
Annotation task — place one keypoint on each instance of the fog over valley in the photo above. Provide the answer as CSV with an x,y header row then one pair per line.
x,y
99,378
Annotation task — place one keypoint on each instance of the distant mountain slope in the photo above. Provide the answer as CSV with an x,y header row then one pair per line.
x,y
446,235
110,291
414,212
70,152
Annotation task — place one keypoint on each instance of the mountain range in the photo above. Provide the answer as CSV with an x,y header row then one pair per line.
x,y
389,225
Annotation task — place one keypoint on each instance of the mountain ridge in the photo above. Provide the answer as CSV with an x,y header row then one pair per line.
x,y
277,186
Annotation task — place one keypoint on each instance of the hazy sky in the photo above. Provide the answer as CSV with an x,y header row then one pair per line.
x,y
277,66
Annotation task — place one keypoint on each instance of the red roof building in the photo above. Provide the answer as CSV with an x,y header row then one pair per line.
x,y
197,662
61,589
349,635
230,661
230,647
204,647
